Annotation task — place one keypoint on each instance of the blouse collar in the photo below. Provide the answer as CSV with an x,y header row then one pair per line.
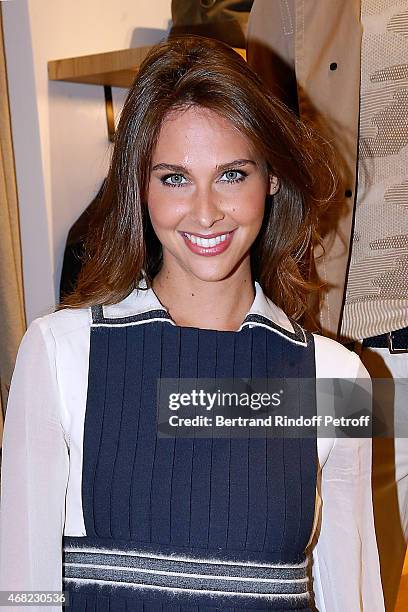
x,y
143,305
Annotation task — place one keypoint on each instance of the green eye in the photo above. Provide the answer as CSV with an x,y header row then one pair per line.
x,y
233,176
174,180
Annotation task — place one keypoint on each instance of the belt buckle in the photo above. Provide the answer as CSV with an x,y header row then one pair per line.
x,y
391,345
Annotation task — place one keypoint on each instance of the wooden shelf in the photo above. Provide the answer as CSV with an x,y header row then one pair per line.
x,y
111,69
114,69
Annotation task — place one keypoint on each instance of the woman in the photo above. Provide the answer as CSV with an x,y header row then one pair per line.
x,y
210,202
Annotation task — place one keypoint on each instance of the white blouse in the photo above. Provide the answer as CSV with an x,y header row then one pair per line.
x,y
42,464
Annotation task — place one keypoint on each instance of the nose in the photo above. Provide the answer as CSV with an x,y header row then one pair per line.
x,y
206,210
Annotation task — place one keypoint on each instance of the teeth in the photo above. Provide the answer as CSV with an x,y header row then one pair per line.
x,y
206,242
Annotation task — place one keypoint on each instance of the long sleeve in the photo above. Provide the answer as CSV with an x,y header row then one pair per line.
x,y
346,571
271,47
35,466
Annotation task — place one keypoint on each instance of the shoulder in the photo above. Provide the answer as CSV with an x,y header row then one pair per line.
x,y
52,327
333,360
65,321
48,339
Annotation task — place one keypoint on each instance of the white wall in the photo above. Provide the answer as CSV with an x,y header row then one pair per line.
x,y
59,129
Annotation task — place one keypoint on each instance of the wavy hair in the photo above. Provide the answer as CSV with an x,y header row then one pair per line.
x,y
122,248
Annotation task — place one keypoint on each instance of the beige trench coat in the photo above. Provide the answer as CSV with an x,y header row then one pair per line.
x,y
318,43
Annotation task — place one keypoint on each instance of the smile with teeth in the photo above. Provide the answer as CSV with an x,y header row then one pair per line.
x,y
206,242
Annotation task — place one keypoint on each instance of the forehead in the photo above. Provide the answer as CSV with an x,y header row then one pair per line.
x,y
197,132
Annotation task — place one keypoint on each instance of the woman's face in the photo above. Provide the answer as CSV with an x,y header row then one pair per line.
x,y
206,196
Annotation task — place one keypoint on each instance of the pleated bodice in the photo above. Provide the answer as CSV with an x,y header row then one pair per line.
x,y
188,524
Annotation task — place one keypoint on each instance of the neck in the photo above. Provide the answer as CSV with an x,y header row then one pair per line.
x,y
191,302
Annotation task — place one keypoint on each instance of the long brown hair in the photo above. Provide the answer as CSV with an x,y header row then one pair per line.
x,y
122,248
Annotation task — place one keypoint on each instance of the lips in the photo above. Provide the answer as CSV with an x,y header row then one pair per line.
x,y
213,244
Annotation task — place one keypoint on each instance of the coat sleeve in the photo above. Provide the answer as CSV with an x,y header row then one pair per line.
x,y
34,474
346,569
271,47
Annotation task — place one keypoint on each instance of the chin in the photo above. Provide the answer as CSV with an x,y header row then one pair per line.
x,y
209,276
209,271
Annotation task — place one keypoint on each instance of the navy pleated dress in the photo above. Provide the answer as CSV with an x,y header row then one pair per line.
x,y
189,524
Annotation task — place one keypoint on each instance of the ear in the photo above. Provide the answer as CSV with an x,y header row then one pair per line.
x,y
273,184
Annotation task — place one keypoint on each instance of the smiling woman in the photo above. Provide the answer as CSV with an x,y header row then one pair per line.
x,y
211,200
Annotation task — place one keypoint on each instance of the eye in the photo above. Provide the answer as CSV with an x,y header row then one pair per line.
x,y
233,176
173,180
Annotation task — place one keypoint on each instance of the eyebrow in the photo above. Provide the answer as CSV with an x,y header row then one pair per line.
x,y
236,163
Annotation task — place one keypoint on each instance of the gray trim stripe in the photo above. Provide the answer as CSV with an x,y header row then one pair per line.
x,y
75,548
293,601
191,569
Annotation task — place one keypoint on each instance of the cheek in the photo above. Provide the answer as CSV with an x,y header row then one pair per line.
x,y
249,209
165,212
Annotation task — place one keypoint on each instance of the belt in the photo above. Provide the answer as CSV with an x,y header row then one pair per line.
x,y
396,341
